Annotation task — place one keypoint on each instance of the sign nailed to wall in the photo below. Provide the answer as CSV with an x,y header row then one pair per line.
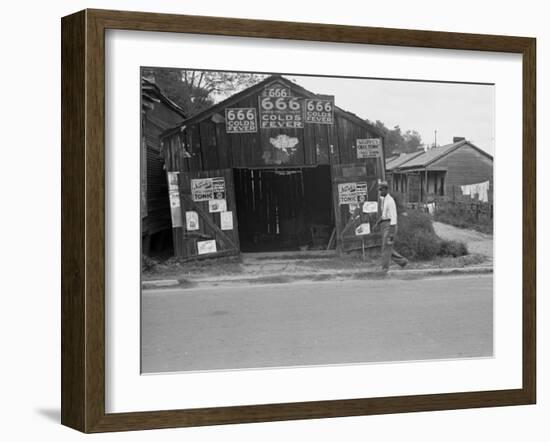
x,y
205,189
319,111
241,120
369,148
280,110
352,193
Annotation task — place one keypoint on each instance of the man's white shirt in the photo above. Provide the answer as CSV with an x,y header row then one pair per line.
x,y
389,210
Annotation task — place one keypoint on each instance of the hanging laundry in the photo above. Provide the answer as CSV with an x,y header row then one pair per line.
x,y
479,190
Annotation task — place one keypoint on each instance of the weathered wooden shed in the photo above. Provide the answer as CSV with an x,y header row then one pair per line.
x,y
274,167
440,172
158,113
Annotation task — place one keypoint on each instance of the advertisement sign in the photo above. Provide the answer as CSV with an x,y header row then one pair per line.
x,y
191,221
226,220
205,189
369,148
319,111
346,193
370,207
363,229
352,193
218,188
204,247
201,189
215,206
241,120
282,112
276,90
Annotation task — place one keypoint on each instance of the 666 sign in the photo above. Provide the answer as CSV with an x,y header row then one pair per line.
x,y
241,120
319,111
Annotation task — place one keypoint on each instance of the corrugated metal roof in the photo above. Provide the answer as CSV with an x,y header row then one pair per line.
x,y
398,161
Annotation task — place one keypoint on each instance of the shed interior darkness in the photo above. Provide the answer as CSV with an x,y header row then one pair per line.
x,y
284,209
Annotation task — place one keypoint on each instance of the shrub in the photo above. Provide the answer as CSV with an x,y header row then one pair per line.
x,y
416,238
147,264
453,248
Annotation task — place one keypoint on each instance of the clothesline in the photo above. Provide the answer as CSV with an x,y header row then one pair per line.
x,y
479,190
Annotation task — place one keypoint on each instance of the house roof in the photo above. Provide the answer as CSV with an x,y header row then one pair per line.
x,y
207,113
151,94
432,155
396,161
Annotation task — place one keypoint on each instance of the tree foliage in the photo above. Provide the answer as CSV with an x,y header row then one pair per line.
x,y
396,141
195,90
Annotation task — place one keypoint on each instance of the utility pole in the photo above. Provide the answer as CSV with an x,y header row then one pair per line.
x,y
435,138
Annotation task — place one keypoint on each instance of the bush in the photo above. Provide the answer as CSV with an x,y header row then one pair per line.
x,y
416,238
147,264
453,248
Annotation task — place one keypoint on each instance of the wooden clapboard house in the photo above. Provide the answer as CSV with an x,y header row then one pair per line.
x,y
158,113
437,173
293,166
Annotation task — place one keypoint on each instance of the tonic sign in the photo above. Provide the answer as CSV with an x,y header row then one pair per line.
x,y
319,111
369,148
240,120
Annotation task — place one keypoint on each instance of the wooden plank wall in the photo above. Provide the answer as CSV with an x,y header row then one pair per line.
x,y
205,145
227,241
346,222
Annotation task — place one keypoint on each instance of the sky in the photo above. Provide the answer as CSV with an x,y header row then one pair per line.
x,y
451,109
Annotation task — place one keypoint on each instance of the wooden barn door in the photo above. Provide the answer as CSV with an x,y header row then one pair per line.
x,y
350,188
209,215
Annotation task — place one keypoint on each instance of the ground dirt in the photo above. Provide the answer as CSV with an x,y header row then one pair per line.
x,y
477,242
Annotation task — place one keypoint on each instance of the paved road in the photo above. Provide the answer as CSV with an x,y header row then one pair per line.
x,y
317,323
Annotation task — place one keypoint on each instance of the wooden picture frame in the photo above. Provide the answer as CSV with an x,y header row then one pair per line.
x,y
83,220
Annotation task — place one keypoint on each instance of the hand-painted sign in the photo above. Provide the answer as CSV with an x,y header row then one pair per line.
x,y
204,247
369,148
319,111
283,112
191,221
352,193
241,120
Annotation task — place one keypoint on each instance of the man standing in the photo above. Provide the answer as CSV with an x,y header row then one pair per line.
x,y
388,227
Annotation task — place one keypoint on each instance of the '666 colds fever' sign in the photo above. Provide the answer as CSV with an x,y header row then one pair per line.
x,y
240,120
279,109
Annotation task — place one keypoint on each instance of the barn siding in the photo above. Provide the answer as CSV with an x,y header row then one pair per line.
x,y
213,148
202,144
155,121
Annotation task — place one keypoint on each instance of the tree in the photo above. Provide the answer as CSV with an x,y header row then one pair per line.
x,y
195,90
397,142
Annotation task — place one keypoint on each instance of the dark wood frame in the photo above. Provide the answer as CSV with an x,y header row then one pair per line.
x,y
83,216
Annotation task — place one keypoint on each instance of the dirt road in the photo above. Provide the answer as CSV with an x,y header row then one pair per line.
x,y
477,242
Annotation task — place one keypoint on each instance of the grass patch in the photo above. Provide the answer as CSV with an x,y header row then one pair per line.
x,y
460,217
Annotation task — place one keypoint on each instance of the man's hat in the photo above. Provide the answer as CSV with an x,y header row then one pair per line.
x,y
382,183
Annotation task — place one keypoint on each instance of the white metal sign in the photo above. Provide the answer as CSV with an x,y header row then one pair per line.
x,y
241,120
319,111
369,148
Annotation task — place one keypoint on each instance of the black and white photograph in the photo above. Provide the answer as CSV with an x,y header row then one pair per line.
x,y
307,220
